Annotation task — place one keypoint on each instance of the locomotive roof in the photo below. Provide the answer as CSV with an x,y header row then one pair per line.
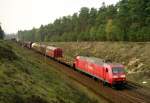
x,y
99,61
93,60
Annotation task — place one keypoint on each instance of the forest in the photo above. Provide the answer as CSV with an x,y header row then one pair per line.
x,y
127,20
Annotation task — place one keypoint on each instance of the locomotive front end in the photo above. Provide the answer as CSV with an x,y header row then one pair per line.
x,y
118,76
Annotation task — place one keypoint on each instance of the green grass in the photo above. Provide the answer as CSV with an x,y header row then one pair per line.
x,y
25,78
134,55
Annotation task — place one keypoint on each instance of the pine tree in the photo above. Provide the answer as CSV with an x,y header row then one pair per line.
x,y
1,33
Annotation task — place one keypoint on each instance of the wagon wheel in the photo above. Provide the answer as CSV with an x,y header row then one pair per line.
x,y
74,66
104,83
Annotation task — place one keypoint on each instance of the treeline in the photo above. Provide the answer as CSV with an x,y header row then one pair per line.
x,y
128,20
1,33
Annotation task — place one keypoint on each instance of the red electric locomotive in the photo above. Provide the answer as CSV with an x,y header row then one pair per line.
x,y
108,72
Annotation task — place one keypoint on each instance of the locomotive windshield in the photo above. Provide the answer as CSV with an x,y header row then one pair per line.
x,y
117,70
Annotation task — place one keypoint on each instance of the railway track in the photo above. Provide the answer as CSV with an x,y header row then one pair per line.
x,y
131,93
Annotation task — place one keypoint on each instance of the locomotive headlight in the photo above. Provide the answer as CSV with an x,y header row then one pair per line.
x,y
115,76
122,76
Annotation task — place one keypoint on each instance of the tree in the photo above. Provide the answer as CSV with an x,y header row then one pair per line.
x,y
109,30
33,33
83,18
92,17
1,33
123,17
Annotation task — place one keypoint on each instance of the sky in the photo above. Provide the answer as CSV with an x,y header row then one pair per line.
x,y
25,14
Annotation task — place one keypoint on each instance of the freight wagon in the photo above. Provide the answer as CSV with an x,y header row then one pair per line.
x,y
36,47
108,72
28,44
49,51
54,52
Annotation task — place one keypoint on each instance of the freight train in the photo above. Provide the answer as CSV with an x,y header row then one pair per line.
x,y
106,71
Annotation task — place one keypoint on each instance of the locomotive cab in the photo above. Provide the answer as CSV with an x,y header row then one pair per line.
x,y
118,75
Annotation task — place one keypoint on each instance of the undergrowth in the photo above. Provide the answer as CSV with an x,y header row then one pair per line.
x,y
25,78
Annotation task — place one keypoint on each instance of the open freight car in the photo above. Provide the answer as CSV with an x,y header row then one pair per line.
x,y
108,72
28,44
36,47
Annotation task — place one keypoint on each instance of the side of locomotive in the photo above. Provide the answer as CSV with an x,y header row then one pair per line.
x,y
110,73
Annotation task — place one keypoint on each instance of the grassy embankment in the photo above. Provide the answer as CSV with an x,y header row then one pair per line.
x,y
135,56
25,78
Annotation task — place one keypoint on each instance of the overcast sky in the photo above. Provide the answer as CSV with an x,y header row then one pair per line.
x,y
25,14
